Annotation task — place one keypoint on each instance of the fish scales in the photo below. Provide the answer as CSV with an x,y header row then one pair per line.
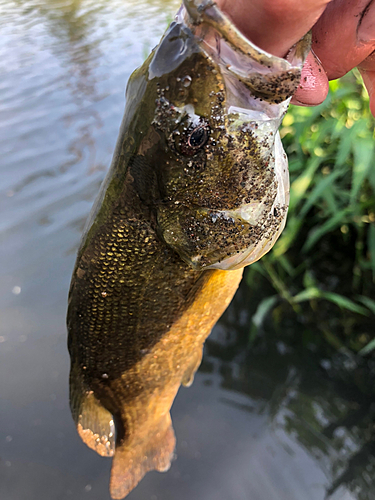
x,y
112,273
198,188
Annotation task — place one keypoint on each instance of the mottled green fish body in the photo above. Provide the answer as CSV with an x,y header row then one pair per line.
x,y
198,188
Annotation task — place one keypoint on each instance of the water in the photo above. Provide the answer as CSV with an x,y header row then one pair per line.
x,y
284,418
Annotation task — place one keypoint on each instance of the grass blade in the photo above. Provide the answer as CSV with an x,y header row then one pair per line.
x,y
363,150
303,182
319,189
337,220
264,307
307,294
368,348
371,248
370,303
345,303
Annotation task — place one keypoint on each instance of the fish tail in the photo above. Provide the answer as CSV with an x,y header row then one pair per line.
x,y
131,461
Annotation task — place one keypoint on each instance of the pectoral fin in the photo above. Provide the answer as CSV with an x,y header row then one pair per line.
x,y
96,428
94,423
152,451
188,377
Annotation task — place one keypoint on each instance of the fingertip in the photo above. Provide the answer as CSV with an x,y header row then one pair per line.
x,y
313,87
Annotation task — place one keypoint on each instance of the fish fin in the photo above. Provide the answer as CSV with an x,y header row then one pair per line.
x,y
188,377
153,451
94,423
96,427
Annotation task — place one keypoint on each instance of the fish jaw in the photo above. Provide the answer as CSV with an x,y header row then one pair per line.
x,y
269,222
257,89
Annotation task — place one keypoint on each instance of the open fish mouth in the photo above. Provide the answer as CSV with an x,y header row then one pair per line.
x,y
273,78
258,90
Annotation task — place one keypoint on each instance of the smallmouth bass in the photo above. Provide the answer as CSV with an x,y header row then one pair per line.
x,y
198,189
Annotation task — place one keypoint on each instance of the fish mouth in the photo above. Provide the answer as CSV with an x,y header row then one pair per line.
x,y
241,235
254,251
258,218
271,78
259,88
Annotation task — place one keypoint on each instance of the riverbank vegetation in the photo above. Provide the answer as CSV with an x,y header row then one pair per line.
x,y
322,269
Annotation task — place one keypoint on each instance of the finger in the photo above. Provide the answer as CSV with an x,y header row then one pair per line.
x,y
344,35
274,25
313,87
369,63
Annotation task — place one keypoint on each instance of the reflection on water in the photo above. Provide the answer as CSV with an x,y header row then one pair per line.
x,y
284,418
321,398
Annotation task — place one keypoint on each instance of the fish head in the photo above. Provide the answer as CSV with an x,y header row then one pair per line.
x,y
221,187
200,143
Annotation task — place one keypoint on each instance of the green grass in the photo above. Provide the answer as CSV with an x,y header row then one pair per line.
x,y
323,266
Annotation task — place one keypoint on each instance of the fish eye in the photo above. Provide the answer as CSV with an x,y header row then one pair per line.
x,y
189,140
198,137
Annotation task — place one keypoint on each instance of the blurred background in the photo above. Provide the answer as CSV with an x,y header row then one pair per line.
x,y
283,405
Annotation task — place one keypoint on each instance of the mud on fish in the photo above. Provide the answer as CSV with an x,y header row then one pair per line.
x,y
198,189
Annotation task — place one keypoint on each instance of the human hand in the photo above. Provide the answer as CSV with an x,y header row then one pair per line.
x,y
343,38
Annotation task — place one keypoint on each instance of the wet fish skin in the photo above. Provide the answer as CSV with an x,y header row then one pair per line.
x,y
135,326
193,185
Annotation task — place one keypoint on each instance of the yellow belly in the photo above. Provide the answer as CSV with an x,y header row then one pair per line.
x,y
149,442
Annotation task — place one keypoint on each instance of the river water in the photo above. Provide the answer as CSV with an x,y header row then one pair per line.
x,y
282,419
